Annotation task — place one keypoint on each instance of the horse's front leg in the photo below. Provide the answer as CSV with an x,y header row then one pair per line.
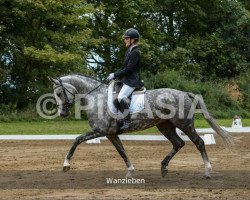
x,y
84,137
115,140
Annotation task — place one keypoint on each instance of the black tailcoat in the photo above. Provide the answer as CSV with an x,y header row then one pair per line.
x,y
129,73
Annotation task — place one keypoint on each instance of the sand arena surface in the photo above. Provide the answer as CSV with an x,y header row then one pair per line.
x,y
33,170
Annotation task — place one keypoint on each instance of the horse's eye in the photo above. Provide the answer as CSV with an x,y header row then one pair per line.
x,y
58,94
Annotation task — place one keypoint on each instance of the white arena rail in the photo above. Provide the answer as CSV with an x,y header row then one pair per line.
x,y
207,136
230,130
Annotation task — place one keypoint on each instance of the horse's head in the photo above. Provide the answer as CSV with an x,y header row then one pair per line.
x,y
65,94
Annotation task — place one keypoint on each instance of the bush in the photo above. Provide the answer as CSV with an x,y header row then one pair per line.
x,y
216,97
243,82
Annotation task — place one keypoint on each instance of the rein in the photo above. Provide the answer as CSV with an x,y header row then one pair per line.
x,y
95,88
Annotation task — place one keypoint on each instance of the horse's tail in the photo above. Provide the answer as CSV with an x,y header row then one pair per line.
x,y
225,135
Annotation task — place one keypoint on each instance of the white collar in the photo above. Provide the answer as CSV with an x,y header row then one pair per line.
x,y
132,46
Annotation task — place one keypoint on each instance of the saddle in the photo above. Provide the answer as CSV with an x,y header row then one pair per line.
x,y
117,87
135,100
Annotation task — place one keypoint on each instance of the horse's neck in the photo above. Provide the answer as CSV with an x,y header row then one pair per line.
x,y
83,84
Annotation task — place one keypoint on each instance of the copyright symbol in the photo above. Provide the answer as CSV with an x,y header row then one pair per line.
x,y
46,106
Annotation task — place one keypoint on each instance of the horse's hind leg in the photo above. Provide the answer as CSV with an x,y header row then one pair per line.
x,y
84,137
168,130
115,140
199,143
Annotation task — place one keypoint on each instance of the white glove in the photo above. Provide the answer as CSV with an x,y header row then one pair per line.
x,y
111,76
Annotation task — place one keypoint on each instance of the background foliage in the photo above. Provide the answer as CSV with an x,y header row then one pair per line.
x,y
192,45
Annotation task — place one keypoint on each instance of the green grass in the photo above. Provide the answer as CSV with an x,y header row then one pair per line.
x,y
78,127
44,127
202,123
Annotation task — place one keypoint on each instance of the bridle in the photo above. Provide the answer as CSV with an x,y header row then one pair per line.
x,y
67,103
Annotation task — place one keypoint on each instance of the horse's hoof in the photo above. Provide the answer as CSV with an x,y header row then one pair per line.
x,y
129,174
66,168
207,176
164,172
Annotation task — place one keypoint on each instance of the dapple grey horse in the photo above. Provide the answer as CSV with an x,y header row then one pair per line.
x,y
167,109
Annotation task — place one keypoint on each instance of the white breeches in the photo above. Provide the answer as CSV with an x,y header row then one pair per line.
x,y
125,92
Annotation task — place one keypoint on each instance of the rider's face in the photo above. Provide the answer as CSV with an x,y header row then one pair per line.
x,y
128,41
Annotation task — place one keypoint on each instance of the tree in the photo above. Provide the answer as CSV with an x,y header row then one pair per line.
x,y
42,38
203,39
110,23
210,38
246,3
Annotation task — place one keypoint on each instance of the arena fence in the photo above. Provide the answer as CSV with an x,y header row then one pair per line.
x,y
205,133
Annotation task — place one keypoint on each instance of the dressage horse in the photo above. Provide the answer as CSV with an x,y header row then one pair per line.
x,y
167,109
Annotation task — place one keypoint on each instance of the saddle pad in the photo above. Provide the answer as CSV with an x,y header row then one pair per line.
x,y
136,104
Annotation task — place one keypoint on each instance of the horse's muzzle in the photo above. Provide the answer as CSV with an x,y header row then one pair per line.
x,y
64,113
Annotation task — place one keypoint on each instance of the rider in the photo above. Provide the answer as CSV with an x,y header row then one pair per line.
x,y
129,73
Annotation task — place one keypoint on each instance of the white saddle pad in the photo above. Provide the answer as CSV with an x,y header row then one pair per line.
x,y
137,103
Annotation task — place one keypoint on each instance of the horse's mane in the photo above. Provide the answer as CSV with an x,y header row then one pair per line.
x,y
87,76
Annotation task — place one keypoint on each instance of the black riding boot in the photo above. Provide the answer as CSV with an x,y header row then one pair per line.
x,y
124,122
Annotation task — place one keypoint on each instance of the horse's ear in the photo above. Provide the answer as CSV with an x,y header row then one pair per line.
x,y
55,81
